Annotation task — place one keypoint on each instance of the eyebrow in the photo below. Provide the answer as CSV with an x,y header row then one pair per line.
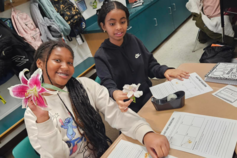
x,y
115,19
61,56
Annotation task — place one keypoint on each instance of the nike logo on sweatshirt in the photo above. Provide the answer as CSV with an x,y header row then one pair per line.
x,y
137,55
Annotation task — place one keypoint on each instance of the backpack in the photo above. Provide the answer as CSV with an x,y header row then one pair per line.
x,y
8,22
71,15
217,52
26,28
48,28
51,13
15,53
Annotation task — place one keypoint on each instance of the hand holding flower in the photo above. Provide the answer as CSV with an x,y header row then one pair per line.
x,y
132,91
42,115
32,89
29,89
119,97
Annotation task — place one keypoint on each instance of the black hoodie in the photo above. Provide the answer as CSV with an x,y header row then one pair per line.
x,y
127,64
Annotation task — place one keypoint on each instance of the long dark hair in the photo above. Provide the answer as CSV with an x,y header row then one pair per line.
x,y
107,7
90,120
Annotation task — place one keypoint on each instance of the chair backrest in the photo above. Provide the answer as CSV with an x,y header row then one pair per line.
x,y
24,149
98,80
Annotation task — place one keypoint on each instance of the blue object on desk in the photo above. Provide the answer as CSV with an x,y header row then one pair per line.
x,y
24,149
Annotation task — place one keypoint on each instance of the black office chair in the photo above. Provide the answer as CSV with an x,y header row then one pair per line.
x,y
225,4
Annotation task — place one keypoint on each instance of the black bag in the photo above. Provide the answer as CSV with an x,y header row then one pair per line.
x,y
71,15
15,53
216,54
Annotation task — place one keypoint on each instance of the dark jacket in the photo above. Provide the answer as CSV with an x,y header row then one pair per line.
x,y
127,64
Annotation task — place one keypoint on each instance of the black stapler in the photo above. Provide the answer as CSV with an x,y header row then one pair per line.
x,y
174,102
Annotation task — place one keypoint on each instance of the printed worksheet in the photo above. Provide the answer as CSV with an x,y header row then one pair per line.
x,y
125,149
11,103
224,70
228,94
205,136
192,87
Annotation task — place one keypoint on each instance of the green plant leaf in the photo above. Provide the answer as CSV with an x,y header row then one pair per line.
x,y
45,85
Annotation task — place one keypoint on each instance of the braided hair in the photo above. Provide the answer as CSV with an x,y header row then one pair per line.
x,y
90,120
107,7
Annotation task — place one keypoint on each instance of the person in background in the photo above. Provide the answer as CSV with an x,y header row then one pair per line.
x,y
72,127
123,59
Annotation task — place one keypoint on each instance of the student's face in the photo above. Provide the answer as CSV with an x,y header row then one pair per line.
x,y
60,67
115,25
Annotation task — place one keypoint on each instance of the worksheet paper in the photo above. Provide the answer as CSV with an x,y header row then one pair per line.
x,y
205,136
192,87
125,149
228,94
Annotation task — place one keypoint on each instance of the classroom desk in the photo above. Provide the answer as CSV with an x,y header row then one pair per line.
x,y
205,104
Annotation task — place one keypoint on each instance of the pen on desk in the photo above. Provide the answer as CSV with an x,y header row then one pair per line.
x,y
3,100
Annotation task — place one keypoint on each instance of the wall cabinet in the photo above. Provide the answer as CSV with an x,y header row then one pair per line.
x,y
157,22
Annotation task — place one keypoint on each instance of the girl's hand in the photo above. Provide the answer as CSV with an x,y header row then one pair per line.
x,y
176,73
119,97
157,145
42,115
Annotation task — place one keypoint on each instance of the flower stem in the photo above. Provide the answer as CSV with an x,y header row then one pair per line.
x,y
134,99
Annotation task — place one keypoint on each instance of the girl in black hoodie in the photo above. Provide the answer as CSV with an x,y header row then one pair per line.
x,y
123,59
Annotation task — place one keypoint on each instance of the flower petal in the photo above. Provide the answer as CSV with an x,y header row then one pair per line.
x,y
39,101
25,102
137,94
35,79
126,86
130,93
43,90
125,91
138,85
18,91
22,77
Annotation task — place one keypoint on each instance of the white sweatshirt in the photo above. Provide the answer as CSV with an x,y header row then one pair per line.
x,y
58,137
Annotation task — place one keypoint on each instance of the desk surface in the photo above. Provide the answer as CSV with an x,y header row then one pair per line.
x,y
205,104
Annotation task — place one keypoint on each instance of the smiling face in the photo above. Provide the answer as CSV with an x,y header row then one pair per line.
x,y
116,26
59,65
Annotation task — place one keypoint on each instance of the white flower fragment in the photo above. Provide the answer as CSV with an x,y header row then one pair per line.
x,y
131,90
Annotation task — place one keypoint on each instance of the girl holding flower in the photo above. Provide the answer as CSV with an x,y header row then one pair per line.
x,y
123,59
71,127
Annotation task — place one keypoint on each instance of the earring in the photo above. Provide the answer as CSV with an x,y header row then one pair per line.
x,y
104,30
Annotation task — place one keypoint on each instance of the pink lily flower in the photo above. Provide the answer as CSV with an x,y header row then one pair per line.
x,y
29,89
